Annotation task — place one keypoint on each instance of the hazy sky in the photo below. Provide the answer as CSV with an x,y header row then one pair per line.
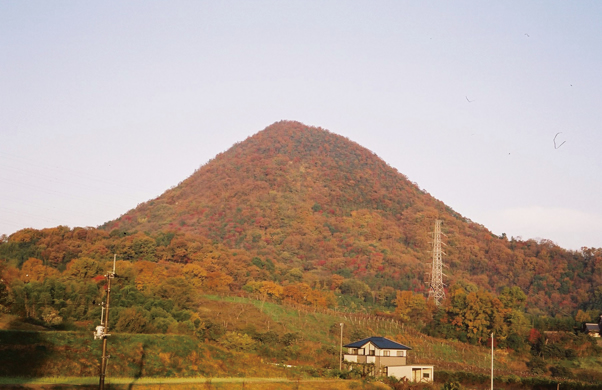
x,y
104,105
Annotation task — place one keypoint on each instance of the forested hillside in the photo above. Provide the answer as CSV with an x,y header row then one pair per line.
x,y
300,214
297,219
299,198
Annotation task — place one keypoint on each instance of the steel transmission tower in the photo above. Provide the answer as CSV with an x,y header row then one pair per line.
x,y
436,290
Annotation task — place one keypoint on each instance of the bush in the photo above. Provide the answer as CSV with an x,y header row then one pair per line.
x,y
237,341
561,372
289,339
452,385
537,365
515,342
570,354
133,320
51,317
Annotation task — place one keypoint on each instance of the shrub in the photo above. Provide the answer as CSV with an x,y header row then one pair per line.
x,y
560,372
51,317
237,341
452,385
537,365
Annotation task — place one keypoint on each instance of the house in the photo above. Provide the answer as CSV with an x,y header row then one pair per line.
x,y
593,329
386,358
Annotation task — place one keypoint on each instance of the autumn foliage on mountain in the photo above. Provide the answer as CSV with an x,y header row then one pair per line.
x,y
298,213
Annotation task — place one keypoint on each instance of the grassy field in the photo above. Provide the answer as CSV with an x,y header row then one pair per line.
x,y
180,358
71,353
315,326
191,383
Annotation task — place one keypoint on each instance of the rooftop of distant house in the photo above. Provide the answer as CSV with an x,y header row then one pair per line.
x,y
379,342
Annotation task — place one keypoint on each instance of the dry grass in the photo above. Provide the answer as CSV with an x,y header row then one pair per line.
x,y
195,383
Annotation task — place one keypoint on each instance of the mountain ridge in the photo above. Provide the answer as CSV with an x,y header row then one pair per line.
x,y
295,204
303,197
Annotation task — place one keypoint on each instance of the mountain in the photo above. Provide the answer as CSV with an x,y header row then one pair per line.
x,y
302,203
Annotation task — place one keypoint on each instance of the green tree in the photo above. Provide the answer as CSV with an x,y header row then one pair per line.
x,y
51,317
83,268
537,365
133,320
237,341
355,287
144,248
513,298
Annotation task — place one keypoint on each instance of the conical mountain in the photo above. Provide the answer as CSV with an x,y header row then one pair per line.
x,y
302,197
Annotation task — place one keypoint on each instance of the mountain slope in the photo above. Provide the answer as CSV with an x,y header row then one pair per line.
x,y
301,197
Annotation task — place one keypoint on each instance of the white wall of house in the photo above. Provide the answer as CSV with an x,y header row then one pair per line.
x,y
350,358
412,373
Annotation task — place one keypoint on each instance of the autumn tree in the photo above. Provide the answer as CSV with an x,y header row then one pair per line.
x,y
410,307
33,270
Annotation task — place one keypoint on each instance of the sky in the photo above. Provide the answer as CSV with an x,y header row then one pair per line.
x,y
493,108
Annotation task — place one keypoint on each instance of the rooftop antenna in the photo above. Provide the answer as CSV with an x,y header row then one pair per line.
x,y
436,290
103,328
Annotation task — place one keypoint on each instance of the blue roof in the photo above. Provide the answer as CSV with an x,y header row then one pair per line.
x,y
380,342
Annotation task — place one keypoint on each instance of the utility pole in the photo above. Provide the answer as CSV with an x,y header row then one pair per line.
x,y
341,350
436,290
103,328
492,361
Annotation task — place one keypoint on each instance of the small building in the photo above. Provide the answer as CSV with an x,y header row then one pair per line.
x,y
386,358
593,329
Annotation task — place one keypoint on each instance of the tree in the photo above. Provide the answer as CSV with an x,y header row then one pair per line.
x,y
51,317
582,316
410,306
513,297
474,311
271,289
144,247
195,274
219,282
177,289
83,268
133,320
355,287
537,365
561,372
34,270
237,341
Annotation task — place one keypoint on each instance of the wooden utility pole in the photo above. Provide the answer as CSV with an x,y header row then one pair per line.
x,y
491,361
103,328
341,350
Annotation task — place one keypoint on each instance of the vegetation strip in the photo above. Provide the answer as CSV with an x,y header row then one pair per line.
x,y
93,380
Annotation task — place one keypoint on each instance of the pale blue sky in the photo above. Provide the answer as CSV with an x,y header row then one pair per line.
x,y
105,105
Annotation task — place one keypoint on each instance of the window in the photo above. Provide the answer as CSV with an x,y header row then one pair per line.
x,y
387,353
426,375
371,352
401,353
360,351
353,351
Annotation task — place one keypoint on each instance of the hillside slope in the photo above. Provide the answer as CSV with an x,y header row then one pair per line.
x,y
301,197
